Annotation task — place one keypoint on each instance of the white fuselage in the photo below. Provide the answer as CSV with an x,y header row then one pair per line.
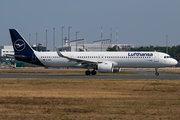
x,y
119,59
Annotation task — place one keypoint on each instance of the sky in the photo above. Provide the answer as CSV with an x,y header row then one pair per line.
x,y
139,22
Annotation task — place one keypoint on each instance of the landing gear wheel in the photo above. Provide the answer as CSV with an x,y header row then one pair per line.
x,y
87,72
93,72
156,73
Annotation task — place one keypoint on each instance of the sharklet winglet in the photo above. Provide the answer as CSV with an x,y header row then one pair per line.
x,y
59,53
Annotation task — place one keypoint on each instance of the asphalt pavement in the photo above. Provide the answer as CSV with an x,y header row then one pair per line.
x,y
142,75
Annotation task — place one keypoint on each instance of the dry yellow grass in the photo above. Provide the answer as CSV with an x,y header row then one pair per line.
x,y
89,99
175,71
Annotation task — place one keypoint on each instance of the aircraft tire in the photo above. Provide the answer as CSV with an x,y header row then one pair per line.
x,y
93,72
87,72
157,74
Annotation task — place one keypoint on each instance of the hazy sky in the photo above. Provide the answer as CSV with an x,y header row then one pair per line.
x,y
139,22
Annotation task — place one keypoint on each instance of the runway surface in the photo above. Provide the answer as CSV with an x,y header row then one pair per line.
x,y
143,75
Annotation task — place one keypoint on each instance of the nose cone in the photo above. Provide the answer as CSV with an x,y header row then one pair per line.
x,y
174,62
178,64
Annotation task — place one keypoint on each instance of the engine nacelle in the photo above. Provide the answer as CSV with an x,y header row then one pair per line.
x,y
106,67
116,70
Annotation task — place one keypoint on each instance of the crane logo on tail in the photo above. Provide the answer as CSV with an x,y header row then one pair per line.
x,y
19,45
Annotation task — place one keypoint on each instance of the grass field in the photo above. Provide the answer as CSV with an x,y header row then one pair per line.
x,y
71,99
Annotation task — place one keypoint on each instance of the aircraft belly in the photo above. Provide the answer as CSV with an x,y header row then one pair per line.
x,y
128,63
135,63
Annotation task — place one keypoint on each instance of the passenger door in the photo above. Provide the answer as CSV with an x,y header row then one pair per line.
x,y
156,57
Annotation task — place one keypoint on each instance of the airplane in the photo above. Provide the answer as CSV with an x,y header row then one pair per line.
x,y
104,62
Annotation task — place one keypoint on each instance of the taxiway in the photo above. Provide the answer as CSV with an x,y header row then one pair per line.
x,y
142,75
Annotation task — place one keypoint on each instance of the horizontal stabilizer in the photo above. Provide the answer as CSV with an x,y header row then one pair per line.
x,y
19,56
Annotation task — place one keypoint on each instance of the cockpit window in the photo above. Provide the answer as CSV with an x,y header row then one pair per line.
x,y
167,56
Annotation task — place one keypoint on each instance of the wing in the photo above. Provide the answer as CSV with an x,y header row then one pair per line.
x,y
83,61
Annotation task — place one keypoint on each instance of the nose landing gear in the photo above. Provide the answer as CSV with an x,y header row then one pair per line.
x,y
156,73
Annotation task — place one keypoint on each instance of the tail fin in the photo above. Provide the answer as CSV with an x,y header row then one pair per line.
x,y
20,45
23,51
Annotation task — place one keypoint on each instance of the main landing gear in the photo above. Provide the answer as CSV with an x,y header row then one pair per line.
x,y
156,73
93,72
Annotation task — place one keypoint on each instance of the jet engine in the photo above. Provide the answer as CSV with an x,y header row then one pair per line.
x,y
116,70
106,67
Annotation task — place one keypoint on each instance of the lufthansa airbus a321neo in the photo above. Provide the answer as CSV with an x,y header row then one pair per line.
x,y
106,62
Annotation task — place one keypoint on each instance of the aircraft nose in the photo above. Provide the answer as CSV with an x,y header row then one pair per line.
x,y
178,64
174,62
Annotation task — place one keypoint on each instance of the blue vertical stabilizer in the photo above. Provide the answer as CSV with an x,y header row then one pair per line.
x,y
19,43
22,50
